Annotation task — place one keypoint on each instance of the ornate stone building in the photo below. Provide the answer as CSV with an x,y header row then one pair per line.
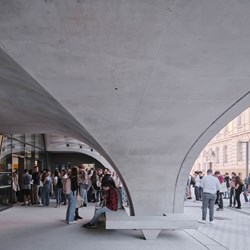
x,y
227,151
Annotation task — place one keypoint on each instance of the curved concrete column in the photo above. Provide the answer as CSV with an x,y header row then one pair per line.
x,y
146,79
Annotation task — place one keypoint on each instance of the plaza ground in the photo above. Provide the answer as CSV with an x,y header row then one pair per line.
x,y
39,228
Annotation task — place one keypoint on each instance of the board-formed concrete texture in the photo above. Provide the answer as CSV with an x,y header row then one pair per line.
x,y
146,83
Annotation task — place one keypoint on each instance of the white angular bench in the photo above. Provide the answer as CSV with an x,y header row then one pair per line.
x,y
150,226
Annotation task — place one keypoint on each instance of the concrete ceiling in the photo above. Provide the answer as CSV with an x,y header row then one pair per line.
x,y
147,82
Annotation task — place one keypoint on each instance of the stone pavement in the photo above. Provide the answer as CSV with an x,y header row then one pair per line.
x,y
231,228
39,228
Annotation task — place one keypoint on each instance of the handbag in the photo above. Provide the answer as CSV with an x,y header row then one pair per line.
x,y
79,201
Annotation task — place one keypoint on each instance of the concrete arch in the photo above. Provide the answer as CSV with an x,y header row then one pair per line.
x,y
26,107
235,109
104,162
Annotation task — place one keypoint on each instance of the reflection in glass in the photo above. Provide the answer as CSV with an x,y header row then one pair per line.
x,y
6,151
30,139
19,137
18,152
17,147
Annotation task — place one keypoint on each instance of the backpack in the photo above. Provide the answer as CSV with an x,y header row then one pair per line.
x,y
26,180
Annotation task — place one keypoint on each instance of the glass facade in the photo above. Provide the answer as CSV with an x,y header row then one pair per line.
x,y
18,152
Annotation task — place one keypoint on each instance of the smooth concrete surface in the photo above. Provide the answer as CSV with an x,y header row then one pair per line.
x,y
150,226
26,228
171,221
147,83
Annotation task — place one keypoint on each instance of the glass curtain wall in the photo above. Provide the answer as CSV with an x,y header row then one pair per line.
x,y
18,152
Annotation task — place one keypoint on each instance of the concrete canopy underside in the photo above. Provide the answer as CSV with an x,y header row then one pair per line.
x,y
146,83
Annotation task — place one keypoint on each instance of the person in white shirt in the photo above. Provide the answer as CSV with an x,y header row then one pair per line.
x,y
210,185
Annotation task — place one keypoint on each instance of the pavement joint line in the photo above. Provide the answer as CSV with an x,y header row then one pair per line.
x,y
207,246
196,238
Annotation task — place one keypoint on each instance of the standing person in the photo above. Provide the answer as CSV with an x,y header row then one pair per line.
x,y
232,190
111,194
70,214
26,186
227,180
245,187
47,183
57,182
36,185
219,198
84,184
94,179
211,186
15,186
64,177
238,190
248,184
42,193
197,186
200,189
190,182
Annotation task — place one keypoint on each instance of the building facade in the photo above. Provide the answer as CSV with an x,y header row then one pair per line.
x,y
228,151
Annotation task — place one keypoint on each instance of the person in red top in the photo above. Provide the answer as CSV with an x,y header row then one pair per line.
x,y
110,197
219,199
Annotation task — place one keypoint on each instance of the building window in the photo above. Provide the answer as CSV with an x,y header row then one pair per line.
x,y
217,155
210,165
240,152
225,154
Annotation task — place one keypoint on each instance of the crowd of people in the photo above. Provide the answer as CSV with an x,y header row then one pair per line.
x,y
77,186
213,188
74,187
231,187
